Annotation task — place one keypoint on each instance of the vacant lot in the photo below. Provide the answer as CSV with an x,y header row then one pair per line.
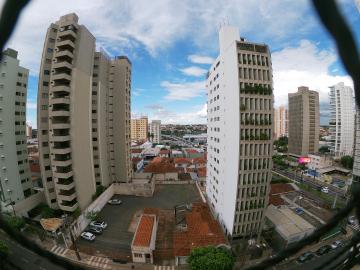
x,y
116,239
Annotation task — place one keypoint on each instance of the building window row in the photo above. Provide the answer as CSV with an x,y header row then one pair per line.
x,y
254,164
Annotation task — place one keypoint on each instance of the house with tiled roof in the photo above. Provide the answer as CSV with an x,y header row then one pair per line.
x,y
199,162
200,229
164,153
143,243
182,163
136,152
163,169
193,153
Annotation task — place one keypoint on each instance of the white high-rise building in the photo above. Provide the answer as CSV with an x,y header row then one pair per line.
x,y
15,182
342,119
155,132
240,123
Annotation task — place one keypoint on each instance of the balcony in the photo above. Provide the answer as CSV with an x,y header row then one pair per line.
x,y
67,195
69,206
60,100
61,77
61,138
60,126
67,35
65,54
65,43
64,174
59,113
61,65
57,162
65,184
61,88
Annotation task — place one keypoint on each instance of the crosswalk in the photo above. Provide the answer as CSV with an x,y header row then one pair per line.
x,y
59,250
162,267
99,262
355,226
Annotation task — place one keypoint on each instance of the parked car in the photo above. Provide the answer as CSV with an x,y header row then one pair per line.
x,y
100,224
352,220
95,230
336,244
114,201
307,256
325,189
298,210
323,250
88,236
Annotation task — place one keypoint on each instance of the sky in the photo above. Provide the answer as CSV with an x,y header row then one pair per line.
x,y
171,45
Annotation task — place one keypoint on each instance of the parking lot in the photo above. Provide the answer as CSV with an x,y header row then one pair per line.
x,y
115,241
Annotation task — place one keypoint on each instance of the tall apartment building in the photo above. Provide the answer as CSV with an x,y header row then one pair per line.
x,y
139,129
83,116
240,127
356,168
304,121
280,122
155,131
342,119
15,182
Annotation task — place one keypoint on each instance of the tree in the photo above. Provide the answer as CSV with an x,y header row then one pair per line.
x,y
15,222
281,144
92,215
48,212
99,189
347,162
324,149
210,258
4,253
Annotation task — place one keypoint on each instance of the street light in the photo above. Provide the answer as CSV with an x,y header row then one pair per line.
x,y
67,222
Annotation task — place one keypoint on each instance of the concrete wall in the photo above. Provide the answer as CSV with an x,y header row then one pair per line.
x,y
166,177
23,207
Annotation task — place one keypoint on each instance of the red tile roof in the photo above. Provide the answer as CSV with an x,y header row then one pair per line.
x,y
198,160
164,152
191,151
181,160
201,172
136,150
202,230
160,165
144,231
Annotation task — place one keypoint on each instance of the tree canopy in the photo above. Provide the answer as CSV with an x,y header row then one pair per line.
x,y
210,258
347,162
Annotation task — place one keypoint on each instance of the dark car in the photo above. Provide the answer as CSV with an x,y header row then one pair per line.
x,y
307,256
323,250
94,230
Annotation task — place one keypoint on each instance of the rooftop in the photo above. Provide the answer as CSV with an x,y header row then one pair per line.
x,y
181,161
144,231
202,230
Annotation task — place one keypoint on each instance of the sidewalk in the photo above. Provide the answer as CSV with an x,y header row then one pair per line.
x,y
97,262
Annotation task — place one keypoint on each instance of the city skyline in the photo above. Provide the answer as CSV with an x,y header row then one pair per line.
x,y
170,66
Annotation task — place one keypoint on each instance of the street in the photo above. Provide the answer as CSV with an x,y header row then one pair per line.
x,y
26,259
311,182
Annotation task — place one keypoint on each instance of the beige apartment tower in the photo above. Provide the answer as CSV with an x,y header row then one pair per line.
x,y
83,116
139,129
280,122
304,121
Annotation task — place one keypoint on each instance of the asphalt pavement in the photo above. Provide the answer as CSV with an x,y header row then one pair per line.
x,y
26,259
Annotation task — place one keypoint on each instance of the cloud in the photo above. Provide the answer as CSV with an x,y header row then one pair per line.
x,y
155,107
183,91
193,71
31,105
305,65
196,115
200,59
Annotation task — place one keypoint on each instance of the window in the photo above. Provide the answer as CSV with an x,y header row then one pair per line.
x,y
45,95
49,50
51,40
49,179
45,83
51,190
45,144
20,74
47,168
53,201
44,107
46,72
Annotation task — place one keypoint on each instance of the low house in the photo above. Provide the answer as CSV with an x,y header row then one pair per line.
x,y
197,229
182,163
289,226
193,153
198,162
136,152
164,153
143,243
163,169
176,154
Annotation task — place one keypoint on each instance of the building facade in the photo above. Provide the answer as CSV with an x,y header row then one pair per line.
x,y
83,116
356,168
240,127
155,131
280,122
139,129
342,119
304,121
15,181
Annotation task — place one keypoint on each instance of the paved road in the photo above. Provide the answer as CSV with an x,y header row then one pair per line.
x,y
311,182
26,259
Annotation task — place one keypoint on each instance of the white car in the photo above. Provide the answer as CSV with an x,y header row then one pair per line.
x,y
100,224
114,201
325,189
88,236
336,244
